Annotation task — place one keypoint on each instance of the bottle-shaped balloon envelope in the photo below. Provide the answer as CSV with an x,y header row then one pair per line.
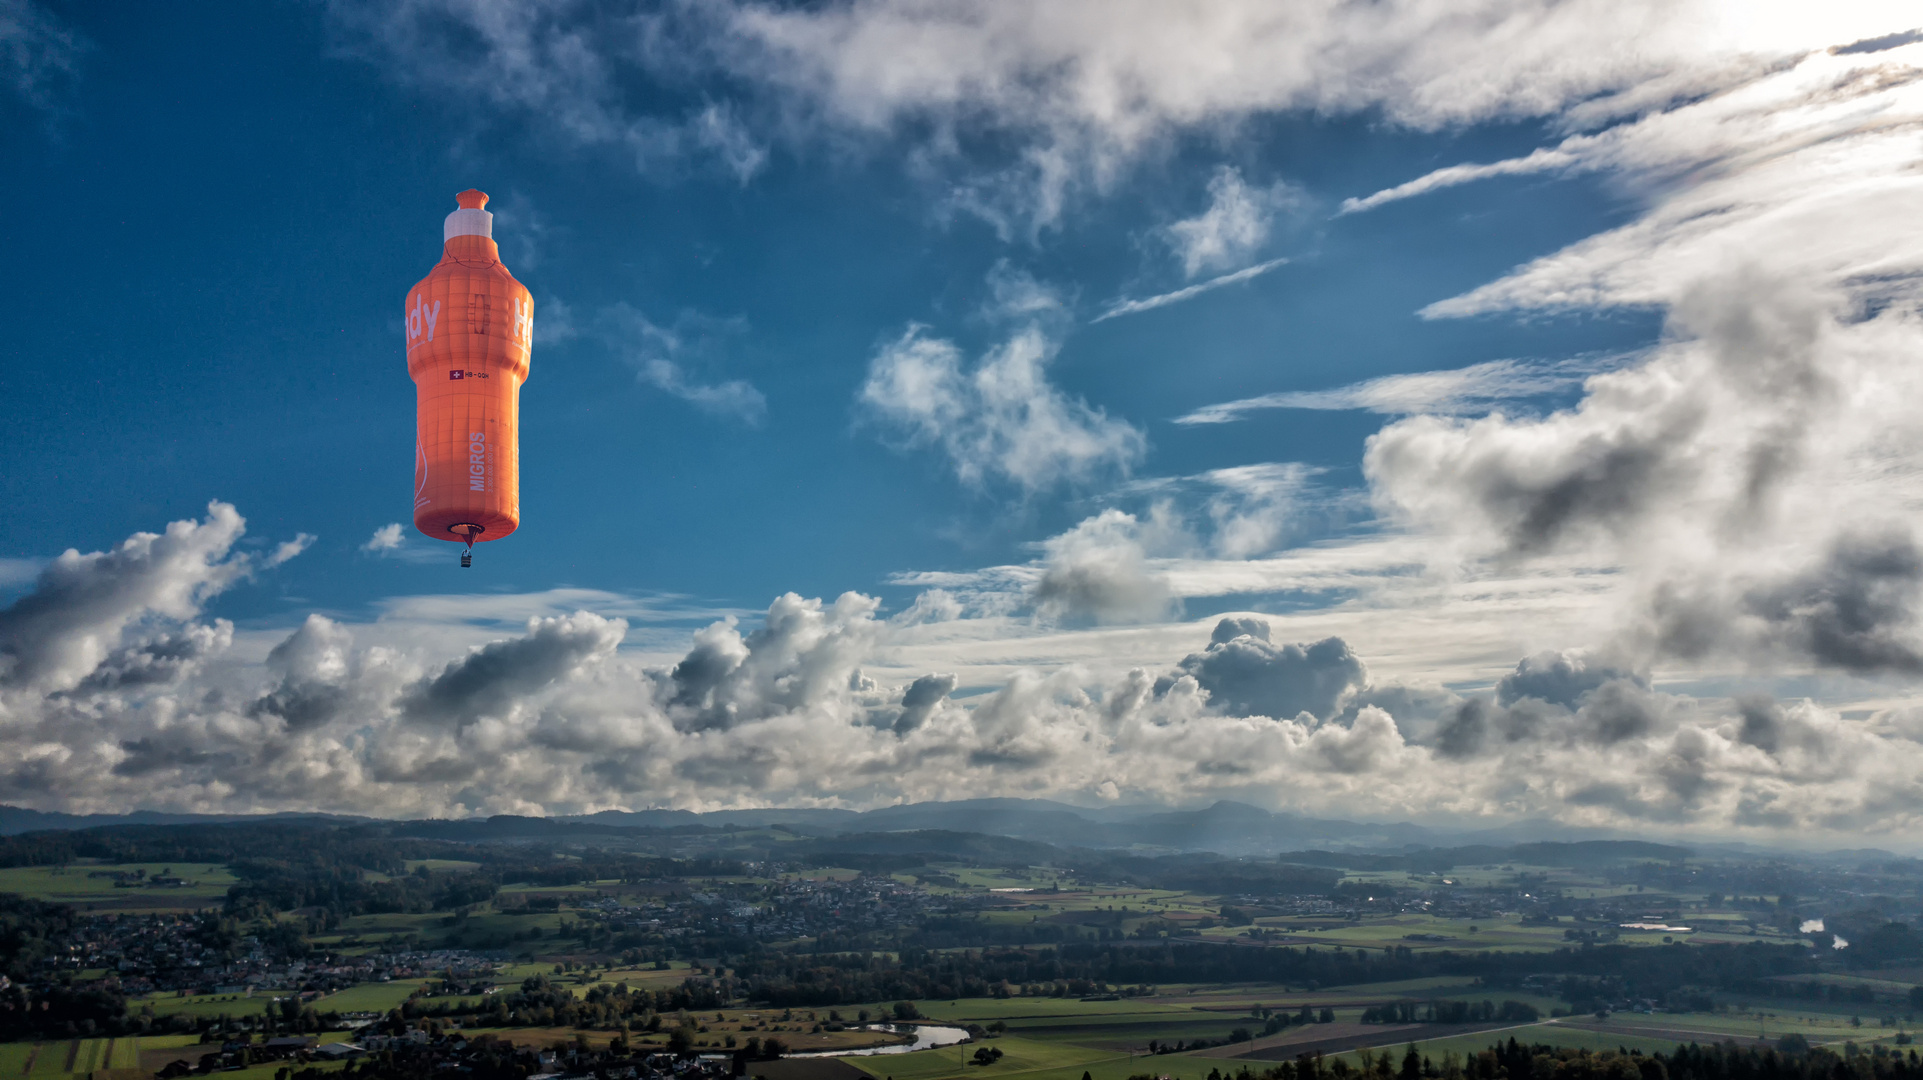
x,y
470,327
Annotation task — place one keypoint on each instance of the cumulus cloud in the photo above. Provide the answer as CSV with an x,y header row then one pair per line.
x,y
159,660
802,650
557,717
921,699
81,605
1750,479
1247,675
496,678
1558,678
1744,476
1743,491
1567,697
1000,419
1099,570
930,606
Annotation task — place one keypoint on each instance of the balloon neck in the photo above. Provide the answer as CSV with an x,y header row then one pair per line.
x,y
470,249
467,533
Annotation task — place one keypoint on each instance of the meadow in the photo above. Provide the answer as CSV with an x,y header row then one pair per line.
x,y
90,886
1061,1038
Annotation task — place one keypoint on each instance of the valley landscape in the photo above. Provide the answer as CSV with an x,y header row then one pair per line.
x,y
788,944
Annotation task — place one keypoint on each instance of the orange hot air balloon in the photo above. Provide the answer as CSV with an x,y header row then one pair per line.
x,y
470,327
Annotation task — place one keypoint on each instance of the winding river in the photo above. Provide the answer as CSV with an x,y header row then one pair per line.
x,y
927,1037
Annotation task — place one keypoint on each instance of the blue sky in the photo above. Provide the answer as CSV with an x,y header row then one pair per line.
x,y
283,197
783,259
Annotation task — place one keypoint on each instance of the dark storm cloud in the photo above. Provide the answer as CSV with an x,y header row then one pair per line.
x,y
693,682
302,703
159,660
1559,678
1763,720
313,665
1563,695
1533,499
921,699
1246,675
150,755
1464,729
1418,710
490,680
1857,609
1618,710
57,634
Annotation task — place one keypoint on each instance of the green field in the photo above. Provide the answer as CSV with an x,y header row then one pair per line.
x,y
202,1004
77,885
1060,1038
73,1059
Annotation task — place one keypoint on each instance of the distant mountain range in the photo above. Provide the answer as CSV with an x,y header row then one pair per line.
x,y
1226,828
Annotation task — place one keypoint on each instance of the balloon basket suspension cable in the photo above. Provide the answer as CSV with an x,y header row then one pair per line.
x,y
468,532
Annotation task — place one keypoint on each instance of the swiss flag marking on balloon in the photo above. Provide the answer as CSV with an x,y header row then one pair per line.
x,y
456,374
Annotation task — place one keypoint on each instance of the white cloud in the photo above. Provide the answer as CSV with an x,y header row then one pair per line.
x,y
1001,419
1544,160
1099,570
1150,303
82,605
930,606
385,539
1233,228
1016,108
1753,480
288,549
556,717
1799,171
1477,387
396,541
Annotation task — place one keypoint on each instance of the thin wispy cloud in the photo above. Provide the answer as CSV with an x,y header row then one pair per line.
x,y
669,356
1459,390
1543,160
1150,303
39,55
